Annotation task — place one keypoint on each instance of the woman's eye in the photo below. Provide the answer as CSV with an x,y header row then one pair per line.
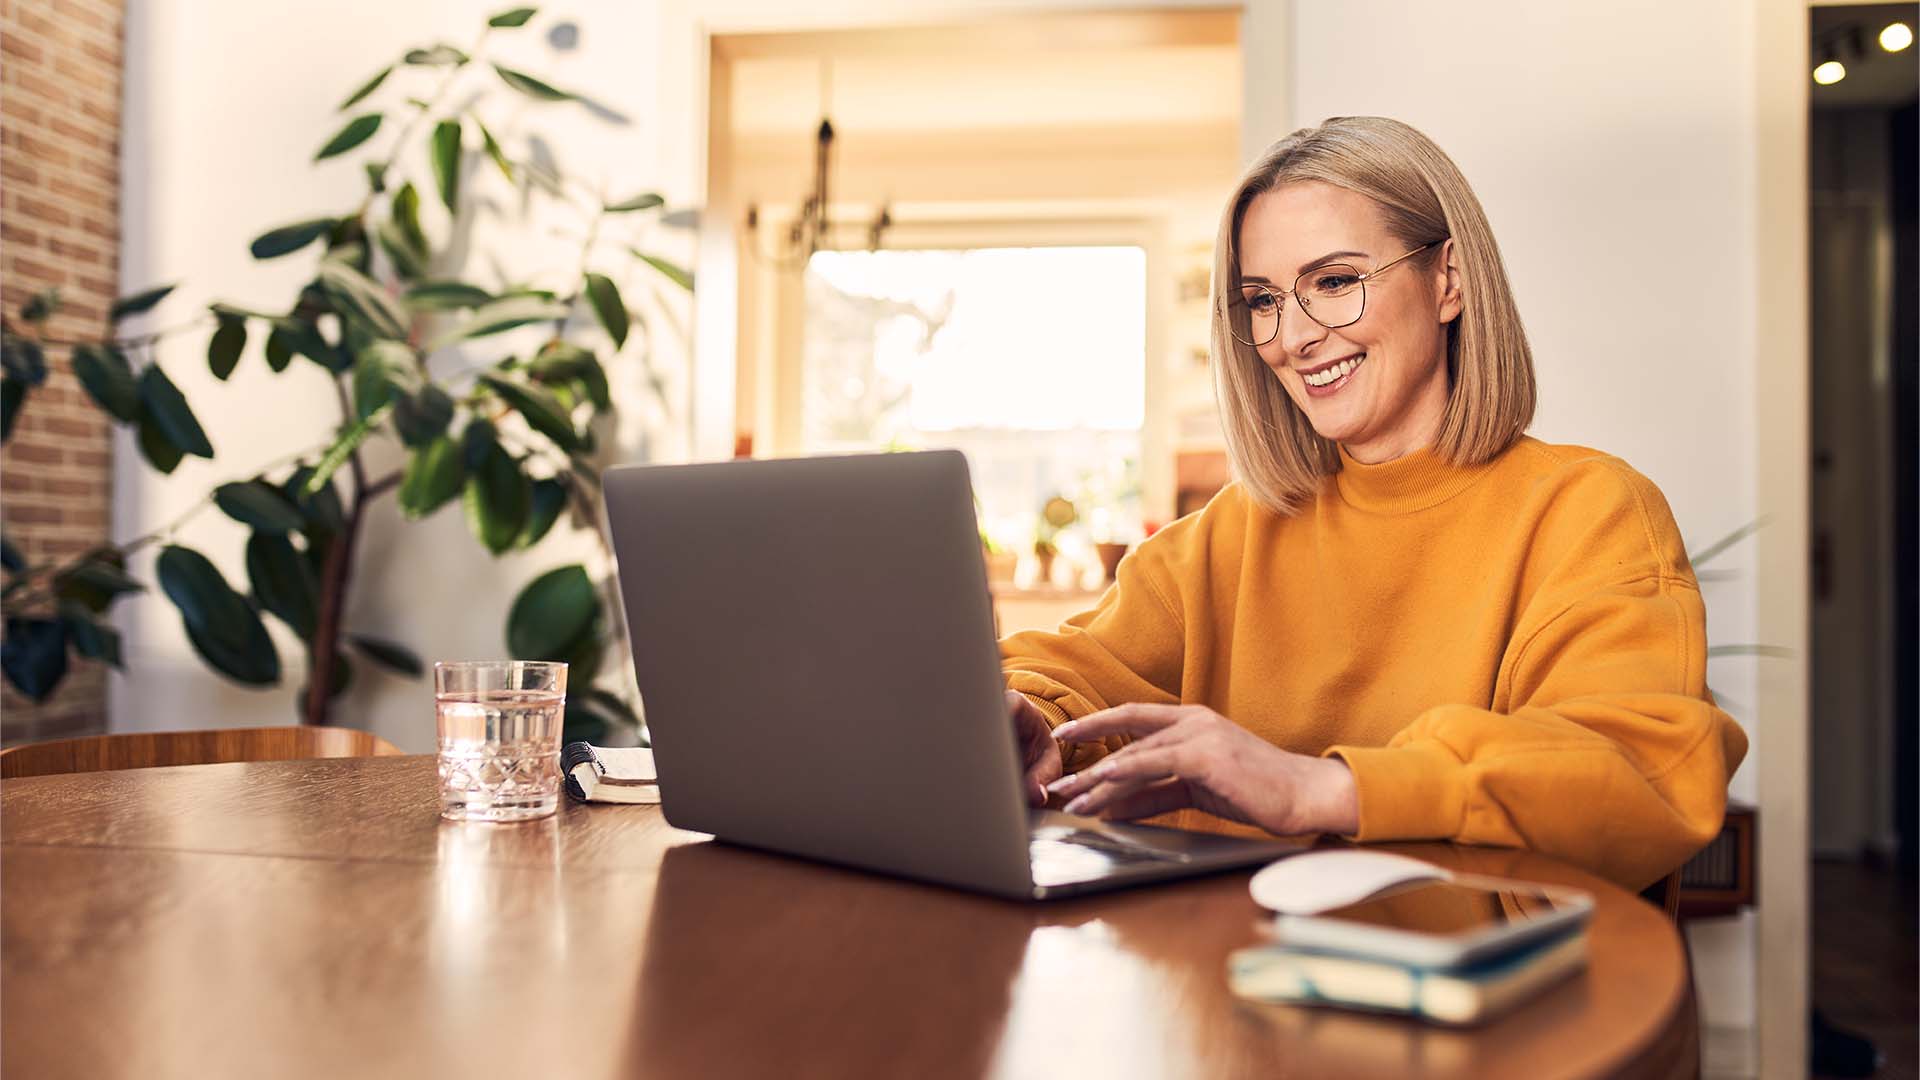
x,y
1332,283
1260,303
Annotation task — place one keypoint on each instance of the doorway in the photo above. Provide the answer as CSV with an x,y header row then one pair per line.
x,y
1865,651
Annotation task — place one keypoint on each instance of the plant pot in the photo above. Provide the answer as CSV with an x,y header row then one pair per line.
x,y
1110,555
1000,567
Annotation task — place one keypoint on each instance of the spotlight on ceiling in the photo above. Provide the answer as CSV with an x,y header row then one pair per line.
x,y
1896,36
1829,73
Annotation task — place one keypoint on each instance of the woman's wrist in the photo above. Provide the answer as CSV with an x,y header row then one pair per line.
x,y
1340,806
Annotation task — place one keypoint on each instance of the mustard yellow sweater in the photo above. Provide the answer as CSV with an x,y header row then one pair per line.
x,y
1509,654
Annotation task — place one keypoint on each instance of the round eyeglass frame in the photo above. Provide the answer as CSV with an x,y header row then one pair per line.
x,y
1280,295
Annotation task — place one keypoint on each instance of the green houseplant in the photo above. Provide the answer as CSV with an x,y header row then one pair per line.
x,y
412,354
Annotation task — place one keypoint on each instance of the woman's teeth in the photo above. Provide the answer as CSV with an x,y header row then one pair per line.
x,y
1334,373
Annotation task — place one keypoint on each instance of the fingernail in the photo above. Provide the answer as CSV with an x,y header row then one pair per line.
x,y
1063,783
1079,804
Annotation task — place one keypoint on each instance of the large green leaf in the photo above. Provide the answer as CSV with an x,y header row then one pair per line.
x,y
407,262
551,614
504,314
538,407
441,55
357,296
446,296
323,508
23,360
96,583
406,214
34,656
304,338
673,272
107,377
605,297
391,655
498,498
134,304
159,450
530,86
168,410
260,505
562,362
357,130
435,475
366,88
283,582
252,662
222,627
645,201
513,17
91,638
204,598
549,498
385,370
13,394
223,350
446,161
423,415
279,348
290,238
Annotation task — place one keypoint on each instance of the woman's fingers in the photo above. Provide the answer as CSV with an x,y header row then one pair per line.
x,y
1137,718
1114,776
1150,800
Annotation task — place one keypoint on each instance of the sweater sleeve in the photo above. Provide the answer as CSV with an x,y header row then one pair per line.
x,y
1127,648
1612,757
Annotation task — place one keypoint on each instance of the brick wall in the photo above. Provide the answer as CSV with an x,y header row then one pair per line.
x,y
59,226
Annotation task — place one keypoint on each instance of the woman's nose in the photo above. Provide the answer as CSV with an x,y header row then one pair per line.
x,y
1299,334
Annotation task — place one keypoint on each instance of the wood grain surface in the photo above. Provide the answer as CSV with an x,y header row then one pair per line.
x,y
317,918
146,749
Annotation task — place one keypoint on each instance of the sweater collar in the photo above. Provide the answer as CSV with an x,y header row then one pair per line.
x,y
1406,484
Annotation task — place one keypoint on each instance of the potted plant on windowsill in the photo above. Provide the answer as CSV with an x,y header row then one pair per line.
x,y
1058,513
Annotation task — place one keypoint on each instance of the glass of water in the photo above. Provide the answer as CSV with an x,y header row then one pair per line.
x,y
499,726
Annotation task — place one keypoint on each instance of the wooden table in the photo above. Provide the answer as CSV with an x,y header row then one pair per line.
x,y
316,918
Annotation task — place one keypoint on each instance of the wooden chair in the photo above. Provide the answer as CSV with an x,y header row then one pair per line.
x,y
143,750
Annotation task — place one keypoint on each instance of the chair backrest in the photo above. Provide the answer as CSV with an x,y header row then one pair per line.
x,y
141,750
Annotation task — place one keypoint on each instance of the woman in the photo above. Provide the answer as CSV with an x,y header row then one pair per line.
x,y
1406,620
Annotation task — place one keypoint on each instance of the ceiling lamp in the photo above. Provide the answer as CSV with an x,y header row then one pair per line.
x,y
812,230
1896,36
1829,73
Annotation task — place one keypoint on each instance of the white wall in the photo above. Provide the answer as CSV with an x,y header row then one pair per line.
x,y
226,103
1612,146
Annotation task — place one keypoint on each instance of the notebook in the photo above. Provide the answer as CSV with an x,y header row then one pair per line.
x,y
609,774
1469,994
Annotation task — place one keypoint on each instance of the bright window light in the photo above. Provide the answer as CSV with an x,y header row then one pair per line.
x,y
1030,360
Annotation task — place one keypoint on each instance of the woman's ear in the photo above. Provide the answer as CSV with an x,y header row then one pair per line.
x,y
1451,301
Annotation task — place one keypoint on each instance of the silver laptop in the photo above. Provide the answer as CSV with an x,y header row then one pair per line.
x,y
815,650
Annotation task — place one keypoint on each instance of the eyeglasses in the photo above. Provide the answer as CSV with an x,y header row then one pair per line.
x,y
1333,295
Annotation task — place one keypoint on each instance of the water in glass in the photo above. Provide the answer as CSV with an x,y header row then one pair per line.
x,y
499,753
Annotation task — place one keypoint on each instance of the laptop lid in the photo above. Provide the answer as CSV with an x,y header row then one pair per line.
x,y
813,642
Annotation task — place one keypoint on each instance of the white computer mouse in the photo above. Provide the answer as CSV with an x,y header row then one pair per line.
x,y
1317,881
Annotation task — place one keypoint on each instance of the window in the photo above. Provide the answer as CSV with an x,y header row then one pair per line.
x,y
1031,361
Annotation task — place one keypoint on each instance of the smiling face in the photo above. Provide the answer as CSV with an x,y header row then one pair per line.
x,y
1391,400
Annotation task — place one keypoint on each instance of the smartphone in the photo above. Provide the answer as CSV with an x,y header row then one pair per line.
x,y
1441,924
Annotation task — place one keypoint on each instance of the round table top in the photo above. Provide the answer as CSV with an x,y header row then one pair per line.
x,y
317,918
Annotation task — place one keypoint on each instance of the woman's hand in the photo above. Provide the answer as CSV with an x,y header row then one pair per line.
x,y
1189,755
1039,754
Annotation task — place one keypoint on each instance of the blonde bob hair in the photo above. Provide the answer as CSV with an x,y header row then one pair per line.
x,y
1275,452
